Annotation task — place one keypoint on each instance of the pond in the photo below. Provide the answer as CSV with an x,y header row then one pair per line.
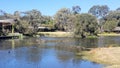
x,y
47,52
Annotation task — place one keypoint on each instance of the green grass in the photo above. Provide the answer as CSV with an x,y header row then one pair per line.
x,y
109,34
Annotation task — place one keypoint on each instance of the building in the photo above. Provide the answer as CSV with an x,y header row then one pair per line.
x,y
7,26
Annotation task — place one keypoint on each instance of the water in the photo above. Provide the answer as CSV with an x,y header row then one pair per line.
x,y
49,52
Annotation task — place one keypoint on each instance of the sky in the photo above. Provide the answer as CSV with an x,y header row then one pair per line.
x,y
50,7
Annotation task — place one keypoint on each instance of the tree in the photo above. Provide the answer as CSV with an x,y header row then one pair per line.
x,y
17,15
33,17
28,22
111,21
23,26
76,9
85,25
99,11
47,21
110,25
61,18
4,15
71,23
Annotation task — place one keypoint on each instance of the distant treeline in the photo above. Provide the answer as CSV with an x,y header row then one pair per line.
x,y
98,19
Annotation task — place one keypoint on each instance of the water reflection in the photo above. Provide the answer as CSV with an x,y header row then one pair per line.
x,y
63,56
34,55
108,41
90,43
49,52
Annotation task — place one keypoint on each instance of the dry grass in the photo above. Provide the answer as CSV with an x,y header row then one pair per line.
x,y
70,34
56,34
109,56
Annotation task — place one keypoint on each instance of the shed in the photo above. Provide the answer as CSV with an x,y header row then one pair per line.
x,y
7,22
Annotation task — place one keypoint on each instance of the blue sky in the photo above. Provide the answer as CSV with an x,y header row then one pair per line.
x,y
50,7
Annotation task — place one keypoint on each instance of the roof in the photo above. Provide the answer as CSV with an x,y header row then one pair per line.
x,y
43,28
116,29
7,21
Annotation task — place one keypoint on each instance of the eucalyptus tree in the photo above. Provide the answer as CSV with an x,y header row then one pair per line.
x,y
33,16
17,15
113,14
110,25
47,21
111,21
76,9
85,25
5,15
99,11
61,18
2,14
27,22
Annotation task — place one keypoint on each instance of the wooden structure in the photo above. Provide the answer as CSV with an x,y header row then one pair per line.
x,y
7,23
7,26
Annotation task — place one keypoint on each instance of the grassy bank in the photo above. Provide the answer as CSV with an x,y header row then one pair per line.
x,y
56,34
59,34
70,34
109,34
108,56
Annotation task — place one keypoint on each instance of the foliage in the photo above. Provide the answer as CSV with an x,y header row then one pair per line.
x,y
33,17
71,23
76,9
30,21
47,21
61,18
113,14
24,27
66,19
99,11
111,21
110,25
85,25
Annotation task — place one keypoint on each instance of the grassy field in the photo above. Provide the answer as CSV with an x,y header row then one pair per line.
x,y
109,56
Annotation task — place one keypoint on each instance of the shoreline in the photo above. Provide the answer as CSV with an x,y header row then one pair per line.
x,y
108,56
55,34
70,34
109,34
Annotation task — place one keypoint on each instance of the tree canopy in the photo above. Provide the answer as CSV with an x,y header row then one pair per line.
x,y
99,11
61,18
98,19
85,25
